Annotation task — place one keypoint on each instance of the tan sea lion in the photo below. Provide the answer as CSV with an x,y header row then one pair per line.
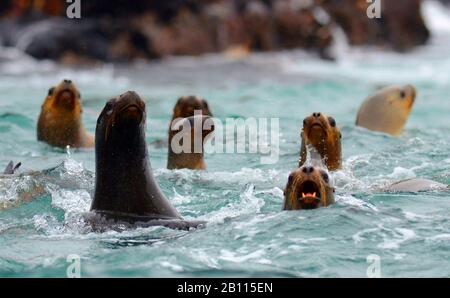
x,y
417,185
60,122
387,110
308,188
189,109
126,191
322,133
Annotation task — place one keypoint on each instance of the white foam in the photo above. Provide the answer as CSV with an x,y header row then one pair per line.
x,y
231,256
401,235
173,267
248,204
352,201
439,238
437,16
401,173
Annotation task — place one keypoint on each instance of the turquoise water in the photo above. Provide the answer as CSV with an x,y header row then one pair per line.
x,y
247,233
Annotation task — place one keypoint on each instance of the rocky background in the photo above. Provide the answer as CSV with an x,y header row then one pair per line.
x,y
121,30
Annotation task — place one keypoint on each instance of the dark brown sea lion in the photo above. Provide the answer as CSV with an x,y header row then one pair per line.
x,y
25,190
387,110
188,109
11,168
125,188
308,188
60,122
322,133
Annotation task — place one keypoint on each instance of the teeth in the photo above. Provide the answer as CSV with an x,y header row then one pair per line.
x,y
308,195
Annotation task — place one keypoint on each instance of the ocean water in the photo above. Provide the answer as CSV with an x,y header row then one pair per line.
x,y
247,235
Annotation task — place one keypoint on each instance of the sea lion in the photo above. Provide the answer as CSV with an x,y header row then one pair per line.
x,y
125,189
387,110
189,109
21,189
417,185
308,188
60,122
322,133
11,168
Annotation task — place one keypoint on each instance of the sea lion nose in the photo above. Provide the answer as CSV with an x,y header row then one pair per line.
x,y
308,170
67,81
316,115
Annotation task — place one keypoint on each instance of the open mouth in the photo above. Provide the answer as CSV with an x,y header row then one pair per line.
x,y
308,194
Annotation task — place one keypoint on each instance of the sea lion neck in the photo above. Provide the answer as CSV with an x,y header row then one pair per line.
x,y
193,161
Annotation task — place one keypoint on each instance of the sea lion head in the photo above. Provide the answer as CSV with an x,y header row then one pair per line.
x,y
318,128
387,110
122,119
64,98
187,105
193,113
60,122
308,188
323,135
400,99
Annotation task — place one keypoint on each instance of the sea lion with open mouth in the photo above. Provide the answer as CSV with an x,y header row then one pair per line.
x,y
322,133
125,189
190,109
60,122
387,110
308,188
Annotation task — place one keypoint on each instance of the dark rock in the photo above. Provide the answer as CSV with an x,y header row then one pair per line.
x,y
401,25
122,30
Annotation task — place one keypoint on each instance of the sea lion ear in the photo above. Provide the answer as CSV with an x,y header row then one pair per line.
x,y
206,107
50,91
79,94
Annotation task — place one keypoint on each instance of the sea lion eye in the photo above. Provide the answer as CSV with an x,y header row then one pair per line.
x,y
402,94
325,177
291,177
332,121
50,91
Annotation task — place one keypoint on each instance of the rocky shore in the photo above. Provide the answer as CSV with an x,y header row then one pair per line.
x,y
121,31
